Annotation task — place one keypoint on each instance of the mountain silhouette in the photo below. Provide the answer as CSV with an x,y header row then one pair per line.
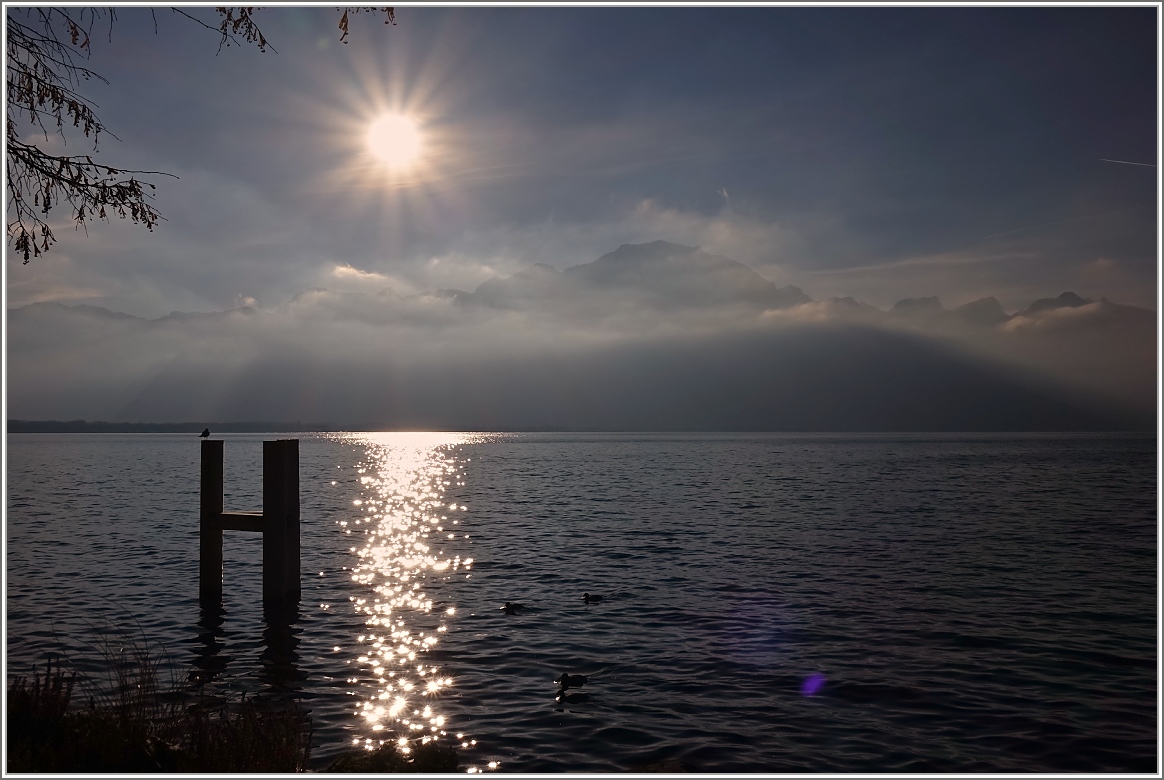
x,y
913,306
1065,300
984,312
659,274
673,275
538,285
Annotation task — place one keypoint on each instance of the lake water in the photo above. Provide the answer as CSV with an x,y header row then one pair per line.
x,y
774,603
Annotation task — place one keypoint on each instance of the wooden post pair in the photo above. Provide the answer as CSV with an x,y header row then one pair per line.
x,y
278,522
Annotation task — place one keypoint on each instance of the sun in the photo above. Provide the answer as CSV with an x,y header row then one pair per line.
x,y
395,140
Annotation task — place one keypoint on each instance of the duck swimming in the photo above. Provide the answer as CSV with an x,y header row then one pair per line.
x,y
565,697
571,680
586,597
512,609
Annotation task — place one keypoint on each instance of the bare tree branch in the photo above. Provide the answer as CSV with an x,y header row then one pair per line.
x,y
44,74
234,21
90,189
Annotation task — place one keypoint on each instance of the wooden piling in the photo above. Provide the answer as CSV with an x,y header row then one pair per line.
x,y
209,522
293,561
281,520
278,522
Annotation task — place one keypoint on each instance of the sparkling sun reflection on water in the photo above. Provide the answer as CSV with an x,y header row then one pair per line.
x,y
411,541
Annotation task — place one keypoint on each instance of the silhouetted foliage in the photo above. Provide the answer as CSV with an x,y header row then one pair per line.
x,y
44,74
388,11
46,55
132,723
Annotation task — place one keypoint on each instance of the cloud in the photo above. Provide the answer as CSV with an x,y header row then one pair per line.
x,y
760,244
503,374
228,238
1053,318
503,249
652,335
346,272
345,277
57,277
959,277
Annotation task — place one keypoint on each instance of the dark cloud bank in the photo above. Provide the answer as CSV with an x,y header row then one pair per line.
x,y
649,337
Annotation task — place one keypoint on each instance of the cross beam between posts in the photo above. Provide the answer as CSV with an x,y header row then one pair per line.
x,y
278,522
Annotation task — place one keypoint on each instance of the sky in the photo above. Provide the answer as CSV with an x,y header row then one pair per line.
x,y
879,153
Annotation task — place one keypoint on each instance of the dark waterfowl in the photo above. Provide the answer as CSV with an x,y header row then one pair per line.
x,y
586,597
563,697
571,680
511,608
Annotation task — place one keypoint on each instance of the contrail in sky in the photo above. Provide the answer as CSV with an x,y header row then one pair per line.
x,y
1125,162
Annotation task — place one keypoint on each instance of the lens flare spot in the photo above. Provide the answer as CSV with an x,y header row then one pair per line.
x,y
812,685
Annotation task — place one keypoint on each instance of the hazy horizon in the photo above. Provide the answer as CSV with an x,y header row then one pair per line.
x,y
655,336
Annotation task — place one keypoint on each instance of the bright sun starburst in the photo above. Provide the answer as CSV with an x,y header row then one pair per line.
x,y
391,147
395,140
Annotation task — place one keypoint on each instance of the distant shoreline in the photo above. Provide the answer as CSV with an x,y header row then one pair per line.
x,y
100,426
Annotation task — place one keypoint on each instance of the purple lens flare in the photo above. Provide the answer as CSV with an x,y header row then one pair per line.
x,y
812,685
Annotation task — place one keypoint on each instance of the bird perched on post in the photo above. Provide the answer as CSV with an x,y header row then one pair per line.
x,y
205,433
